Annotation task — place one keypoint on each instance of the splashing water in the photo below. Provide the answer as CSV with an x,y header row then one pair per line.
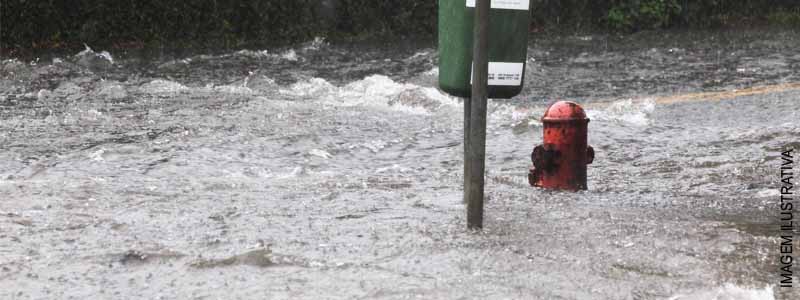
x,y
328,171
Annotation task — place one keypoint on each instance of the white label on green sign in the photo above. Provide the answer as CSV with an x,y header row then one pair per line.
x,y
503,73
506,4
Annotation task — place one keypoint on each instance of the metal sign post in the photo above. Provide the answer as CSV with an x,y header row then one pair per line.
x,y
475,119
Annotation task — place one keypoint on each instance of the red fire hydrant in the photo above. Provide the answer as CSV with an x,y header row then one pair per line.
x,y
560,163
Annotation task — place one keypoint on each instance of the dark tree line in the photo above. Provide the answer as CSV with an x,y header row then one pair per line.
x,y
231,23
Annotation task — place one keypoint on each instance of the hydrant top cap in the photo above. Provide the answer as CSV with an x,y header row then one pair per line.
x,y
564,110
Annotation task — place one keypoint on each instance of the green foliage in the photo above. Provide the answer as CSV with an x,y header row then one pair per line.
x,y
785,17
203,23
370,17
642,14
618,19
709,13
211,23
236,23
577,14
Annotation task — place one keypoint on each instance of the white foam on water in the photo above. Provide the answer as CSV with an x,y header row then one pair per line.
x,y
768,193
111,90
67,90
376,91
184,61
375,146
12,66
501,113
316,44
97,155
85,51
43,94
443,98
418,54
107,56
393,169
729,292
254,54
320,153
88,52
261,84
379,91
290,55
312,88
162,87
234,89
372,88
296,172
11,61
632,112
432,72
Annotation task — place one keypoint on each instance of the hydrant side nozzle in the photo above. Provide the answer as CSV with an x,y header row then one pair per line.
x,y
545,157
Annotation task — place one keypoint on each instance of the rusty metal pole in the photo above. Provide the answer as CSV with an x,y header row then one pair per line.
x,y
476,136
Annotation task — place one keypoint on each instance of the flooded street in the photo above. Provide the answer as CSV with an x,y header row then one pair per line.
x,y
325,171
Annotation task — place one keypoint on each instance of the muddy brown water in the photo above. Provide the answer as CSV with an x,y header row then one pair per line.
x,y
324,171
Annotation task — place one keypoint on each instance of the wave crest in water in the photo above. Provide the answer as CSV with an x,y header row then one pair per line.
x,y
162,87
373,91
633,112
94,60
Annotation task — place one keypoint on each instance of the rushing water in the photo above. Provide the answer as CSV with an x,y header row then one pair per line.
x,y
334,171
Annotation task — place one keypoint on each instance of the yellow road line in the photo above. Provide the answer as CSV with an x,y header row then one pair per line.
x,y
716,96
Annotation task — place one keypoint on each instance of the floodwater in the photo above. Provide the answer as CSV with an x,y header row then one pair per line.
x,y
324,171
